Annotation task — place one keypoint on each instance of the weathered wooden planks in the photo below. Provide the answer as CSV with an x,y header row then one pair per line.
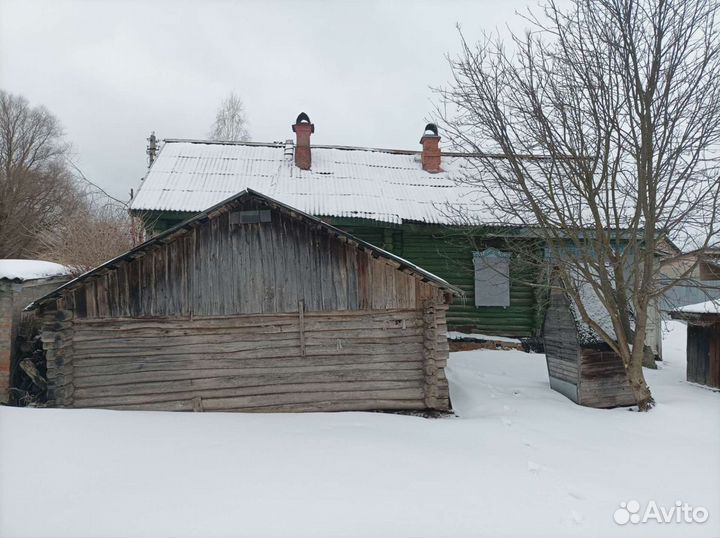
x,y
57,334
321,402
223,269
703,353
231,398
603,380
284,314
590,376
223,361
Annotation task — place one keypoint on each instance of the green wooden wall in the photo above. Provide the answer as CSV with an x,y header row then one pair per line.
x,y
448,253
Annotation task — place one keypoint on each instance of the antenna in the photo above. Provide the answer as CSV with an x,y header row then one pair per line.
x,y
152,148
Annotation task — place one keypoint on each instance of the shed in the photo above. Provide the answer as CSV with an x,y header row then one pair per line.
x,y
581,365
703,341
250,305
21,282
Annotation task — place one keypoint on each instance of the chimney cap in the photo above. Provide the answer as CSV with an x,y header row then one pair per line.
x,y
432,128
303,119
431,131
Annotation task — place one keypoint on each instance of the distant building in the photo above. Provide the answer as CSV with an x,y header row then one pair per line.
x,y
21,282
698,276
703,341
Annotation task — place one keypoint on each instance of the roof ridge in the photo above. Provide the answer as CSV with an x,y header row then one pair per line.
x,y
221,142
392,151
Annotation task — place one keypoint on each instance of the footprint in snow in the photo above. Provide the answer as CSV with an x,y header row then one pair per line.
x,y
534,467
576,518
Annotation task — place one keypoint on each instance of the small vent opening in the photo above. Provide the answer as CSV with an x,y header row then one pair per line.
x,y
250,217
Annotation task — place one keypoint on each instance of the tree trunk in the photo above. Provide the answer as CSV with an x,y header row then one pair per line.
x,y
636,378
649,358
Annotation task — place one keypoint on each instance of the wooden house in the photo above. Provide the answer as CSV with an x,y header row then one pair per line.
x,y
407,202
21,282
250,305
703,341
580,364
696,278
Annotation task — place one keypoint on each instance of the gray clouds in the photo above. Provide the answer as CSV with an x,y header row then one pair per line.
x,y
113,71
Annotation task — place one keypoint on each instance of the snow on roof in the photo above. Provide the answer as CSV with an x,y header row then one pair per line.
x,y
458,335
21,270
596,311
594,307
708,307
382,185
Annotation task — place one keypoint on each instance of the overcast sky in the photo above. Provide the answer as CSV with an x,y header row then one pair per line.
x,y
113,71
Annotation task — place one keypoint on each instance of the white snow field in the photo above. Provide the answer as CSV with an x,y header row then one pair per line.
x,y
519,460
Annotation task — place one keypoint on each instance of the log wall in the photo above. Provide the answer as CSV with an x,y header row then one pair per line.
x,y
388,359
57,336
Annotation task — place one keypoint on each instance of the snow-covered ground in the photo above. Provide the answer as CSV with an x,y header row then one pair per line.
x,y
519,460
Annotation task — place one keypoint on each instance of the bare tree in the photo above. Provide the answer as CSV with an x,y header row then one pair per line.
x,y
621,98
97,230
36,187
230,121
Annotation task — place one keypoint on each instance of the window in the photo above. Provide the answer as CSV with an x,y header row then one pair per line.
x,y
492,278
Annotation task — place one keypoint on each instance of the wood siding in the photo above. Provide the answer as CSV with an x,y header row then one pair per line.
x,y
561,344
219,269
446,251
272,316
703,354
603,380
589,376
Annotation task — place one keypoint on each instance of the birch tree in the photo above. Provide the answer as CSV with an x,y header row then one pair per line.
x,y
230,121
620,99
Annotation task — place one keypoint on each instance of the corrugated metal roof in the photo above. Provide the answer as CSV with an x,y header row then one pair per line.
x,y
380,185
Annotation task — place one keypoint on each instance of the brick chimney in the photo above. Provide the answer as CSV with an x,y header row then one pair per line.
x,y
303,129
431,149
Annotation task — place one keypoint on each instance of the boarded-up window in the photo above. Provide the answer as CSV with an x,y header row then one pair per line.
x,y
492,278
250,217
